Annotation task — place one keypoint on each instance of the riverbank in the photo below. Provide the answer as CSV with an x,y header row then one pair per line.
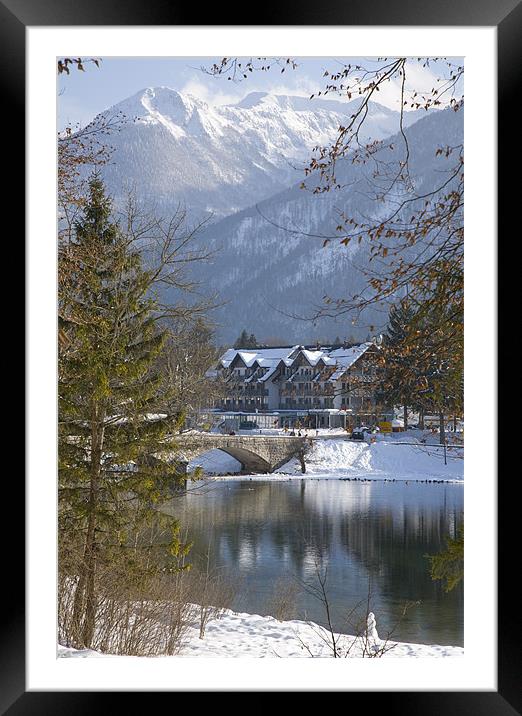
x,y
384,460
338,458
236,635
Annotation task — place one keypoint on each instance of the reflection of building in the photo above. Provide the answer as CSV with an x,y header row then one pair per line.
x,y
296,378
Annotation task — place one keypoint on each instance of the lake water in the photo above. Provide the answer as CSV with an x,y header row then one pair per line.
x,y
373,537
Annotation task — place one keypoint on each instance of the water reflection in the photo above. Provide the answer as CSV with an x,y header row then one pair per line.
x,y
372,533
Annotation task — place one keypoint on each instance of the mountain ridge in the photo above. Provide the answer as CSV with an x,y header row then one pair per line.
x,y
239,162
271,259
220,159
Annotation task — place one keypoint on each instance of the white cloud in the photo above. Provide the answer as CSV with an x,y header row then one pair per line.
x,y
419,79
216,91
211,92
205,93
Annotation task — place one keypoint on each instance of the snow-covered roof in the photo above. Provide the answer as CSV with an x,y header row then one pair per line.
x,y
227,357
345,358
247,357
264,356
313,356
269,373
268,362
271,358
348,356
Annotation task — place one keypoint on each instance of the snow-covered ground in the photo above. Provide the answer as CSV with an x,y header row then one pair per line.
x,y
385,459
431,436
398,456
252,635
215,462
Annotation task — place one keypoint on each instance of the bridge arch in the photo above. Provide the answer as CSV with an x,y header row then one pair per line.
x,y
259,454
250,461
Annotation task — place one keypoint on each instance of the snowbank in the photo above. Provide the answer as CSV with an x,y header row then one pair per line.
x,y
215,462
342,458
251,635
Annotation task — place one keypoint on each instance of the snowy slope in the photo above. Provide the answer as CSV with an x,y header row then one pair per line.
x,y
342,458
271,261
251,635
244,164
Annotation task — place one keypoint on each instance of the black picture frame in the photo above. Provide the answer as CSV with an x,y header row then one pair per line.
x,y
506,16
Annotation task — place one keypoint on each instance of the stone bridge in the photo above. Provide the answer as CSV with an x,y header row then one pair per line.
x,y
261,453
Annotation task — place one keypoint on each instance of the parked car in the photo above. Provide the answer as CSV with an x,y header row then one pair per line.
x,y
357,434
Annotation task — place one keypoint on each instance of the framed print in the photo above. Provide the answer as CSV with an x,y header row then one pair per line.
x,y
221,111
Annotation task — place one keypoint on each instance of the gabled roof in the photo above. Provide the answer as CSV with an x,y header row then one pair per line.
x,y
227,357
346,357
241,358
267,355
269,373
271,358
312,356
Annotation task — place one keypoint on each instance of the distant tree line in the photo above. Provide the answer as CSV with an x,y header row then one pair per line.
x,y
244,340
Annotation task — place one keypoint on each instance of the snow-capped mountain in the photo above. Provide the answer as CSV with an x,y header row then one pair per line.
x,y
221,159
272,275
244,163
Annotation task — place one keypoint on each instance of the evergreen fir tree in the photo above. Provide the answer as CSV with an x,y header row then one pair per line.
x,y
245,341
422,361
109,390
399,379
448,565
242,340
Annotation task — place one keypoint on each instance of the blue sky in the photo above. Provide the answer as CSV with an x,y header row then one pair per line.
x,y
82,95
